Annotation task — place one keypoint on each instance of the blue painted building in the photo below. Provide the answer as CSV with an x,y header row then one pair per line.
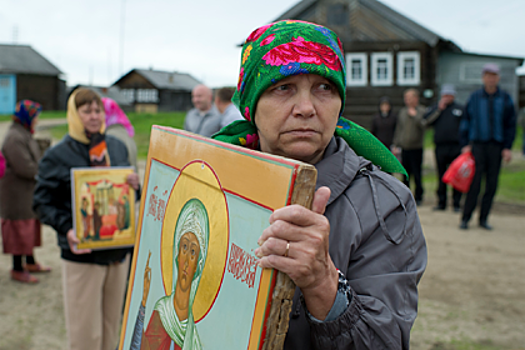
x,y
25,74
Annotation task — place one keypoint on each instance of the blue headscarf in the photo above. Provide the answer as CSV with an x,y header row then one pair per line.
x,y
25,112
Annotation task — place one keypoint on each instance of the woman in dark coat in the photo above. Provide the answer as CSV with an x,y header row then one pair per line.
x,y
94,282
20,226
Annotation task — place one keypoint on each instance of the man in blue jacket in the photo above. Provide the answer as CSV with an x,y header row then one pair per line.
x,y
488,128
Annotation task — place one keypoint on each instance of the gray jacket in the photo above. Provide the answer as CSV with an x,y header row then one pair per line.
x,y
205,125
376,240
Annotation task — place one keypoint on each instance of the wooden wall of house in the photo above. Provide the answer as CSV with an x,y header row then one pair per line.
x,y
171,100
49,91
362,102
135,81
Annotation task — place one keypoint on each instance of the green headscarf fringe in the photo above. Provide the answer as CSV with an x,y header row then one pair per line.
x,y
244,133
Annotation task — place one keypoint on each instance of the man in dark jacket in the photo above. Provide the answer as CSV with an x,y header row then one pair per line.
x,y
445,117
488,128
384,123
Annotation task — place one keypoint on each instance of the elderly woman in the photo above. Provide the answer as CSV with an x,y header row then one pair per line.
x,y
20,227
94,282
359,253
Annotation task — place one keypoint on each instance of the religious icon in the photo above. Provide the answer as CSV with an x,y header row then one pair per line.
x,y
194,282
172,320
103,207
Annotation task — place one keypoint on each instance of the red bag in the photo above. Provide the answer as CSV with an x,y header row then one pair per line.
x,y
461,172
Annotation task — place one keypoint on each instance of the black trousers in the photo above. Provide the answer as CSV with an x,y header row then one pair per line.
x,y
412,161
488,164
445,154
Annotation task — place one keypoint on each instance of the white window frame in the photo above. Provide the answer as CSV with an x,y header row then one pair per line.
x,y
389,79
363,58
401,79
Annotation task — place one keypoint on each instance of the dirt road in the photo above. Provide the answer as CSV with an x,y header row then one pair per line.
x,y
471,296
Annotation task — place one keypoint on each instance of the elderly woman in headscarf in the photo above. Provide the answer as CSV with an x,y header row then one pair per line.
x,y
20,226
94,282
357,256
171,325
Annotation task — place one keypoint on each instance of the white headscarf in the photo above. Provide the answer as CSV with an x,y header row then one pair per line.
x,y
193,218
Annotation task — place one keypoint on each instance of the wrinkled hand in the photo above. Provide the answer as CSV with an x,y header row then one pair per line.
x,y
73,240
133,181
466,149
506,155
308,262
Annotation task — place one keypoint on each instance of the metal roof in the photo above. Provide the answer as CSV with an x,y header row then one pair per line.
x,y
405,24
167,80
23,59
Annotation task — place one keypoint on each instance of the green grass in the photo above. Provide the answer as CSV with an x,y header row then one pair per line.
x,y
43,115
511,185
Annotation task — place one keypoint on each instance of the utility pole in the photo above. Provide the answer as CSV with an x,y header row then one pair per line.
x,y
121,41
15,35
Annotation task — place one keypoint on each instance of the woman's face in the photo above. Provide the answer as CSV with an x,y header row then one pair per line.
x,y
91,116
297,116
189,250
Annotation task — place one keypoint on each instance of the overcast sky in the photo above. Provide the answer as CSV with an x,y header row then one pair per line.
x,y
82,38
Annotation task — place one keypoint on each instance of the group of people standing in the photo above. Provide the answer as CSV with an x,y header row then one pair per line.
x,y
210,114
356,260
486,126
36,188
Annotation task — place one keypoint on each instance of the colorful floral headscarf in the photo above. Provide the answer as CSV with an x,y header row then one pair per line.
x,y
285,48
115,115
25,112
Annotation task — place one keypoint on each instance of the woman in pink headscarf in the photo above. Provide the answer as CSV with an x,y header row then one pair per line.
x,y
119,126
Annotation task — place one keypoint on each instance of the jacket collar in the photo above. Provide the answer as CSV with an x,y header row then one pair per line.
x,y
338,167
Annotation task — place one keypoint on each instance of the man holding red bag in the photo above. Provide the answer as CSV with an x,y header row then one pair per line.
x,y
445,117
487,129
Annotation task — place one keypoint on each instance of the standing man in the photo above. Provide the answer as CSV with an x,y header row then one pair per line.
x,y
408,140
204,119
488,128
384,123
445,117
223,102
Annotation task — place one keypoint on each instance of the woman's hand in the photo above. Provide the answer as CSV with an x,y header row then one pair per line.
x,y
73,240
147,282
296,243
133,180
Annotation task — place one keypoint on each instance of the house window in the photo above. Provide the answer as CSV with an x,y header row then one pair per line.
x,y
408,68
147,96
357,69
381,69
129,94
470,72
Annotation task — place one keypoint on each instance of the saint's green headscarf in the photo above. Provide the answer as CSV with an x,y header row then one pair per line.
x,y
281,49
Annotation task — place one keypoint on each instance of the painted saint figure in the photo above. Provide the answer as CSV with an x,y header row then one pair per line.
x,y
85,217
171,325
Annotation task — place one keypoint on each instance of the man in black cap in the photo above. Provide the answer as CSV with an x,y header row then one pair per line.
x,y
445,117
488,128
